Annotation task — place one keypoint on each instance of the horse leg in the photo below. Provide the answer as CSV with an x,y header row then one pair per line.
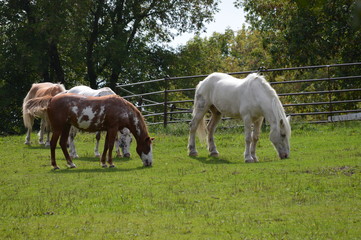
x,y
53,142
111,136
96,149
248,139
28,133
117,144
199,111
72,134
255,136
216,117
41,132
104,155
63,144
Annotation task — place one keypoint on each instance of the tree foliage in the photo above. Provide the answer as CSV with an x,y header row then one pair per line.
x,y
299,32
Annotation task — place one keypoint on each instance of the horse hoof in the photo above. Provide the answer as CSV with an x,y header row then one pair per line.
x,y
104,166
214,154
97,155
27,143
72,165
56,168
193,154
249,161
112,166
41,143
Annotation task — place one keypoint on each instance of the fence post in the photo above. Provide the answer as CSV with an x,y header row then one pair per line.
x,y
165,115
330,88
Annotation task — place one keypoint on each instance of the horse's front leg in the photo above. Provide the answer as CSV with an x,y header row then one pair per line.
x,y
117,145
248,139
63,144
255,136
111,136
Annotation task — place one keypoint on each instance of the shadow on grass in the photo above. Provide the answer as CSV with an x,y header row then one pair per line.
x,y
97,170
97,159
212,160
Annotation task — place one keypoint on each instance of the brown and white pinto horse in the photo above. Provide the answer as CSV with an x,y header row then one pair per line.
x,y
109,113
39,90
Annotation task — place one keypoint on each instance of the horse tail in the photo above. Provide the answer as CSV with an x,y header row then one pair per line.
x,y
37,107
202,132
28,120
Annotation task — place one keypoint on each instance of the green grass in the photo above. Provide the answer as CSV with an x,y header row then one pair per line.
x,y
316,194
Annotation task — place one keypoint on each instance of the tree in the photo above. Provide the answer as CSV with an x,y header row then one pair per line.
x,y
302,32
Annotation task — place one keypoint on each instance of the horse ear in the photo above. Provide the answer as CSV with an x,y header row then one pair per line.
x,y
289,118
149,140
282,123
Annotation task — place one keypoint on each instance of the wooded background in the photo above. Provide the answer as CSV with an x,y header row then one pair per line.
x,y
103,43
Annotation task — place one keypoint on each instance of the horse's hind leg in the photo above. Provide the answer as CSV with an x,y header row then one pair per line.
x,y
255,136
200,110
216,117
96,149
63,144
248,139
41,132
28,133
53,142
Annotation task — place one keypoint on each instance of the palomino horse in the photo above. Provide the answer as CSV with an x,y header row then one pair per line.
x,y
39,90
107,113
123,141
251,99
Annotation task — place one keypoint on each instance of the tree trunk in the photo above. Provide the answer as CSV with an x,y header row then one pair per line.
x,y
113,79
55,63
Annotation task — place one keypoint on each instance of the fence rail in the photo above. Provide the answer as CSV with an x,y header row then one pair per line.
x,y
319,93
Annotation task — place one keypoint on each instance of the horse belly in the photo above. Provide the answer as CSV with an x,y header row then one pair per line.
x,y
226,103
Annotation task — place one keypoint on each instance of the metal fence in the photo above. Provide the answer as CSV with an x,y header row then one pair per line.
x,y
315,94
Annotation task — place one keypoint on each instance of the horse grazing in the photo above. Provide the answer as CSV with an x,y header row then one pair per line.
x,y
251,99
39,90
122,142
109,113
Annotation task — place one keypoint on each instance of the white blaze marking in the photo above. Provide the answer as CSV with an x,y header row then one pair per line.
x,y
148,156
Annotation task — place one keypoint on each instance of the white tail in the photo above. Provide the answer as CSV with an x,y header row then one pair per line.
x,y
36,108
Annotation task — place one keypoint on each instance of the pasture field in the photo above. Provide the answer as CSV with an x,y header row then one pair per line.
x,y
315,194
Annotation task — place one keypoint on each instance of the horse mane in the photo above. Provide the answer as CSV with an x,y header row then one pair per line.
x,y
277,106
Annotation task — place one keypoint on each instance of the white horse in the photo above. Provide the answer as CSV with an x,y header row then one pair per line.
x,y
251,99
122,142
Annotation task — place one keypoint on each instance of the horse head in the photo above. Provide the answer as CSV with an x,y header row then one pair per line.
x,y
144,150
280,137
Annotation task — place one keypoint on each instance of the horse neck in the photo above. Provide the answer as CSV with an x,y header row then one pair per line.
x,y
138,128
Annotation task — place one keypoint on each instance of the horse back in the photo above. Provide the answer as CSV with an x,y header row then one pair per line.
x,y
87,113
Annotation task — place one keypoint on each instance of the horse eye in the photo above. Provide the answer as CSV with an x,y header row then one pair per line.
x,y
283,135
